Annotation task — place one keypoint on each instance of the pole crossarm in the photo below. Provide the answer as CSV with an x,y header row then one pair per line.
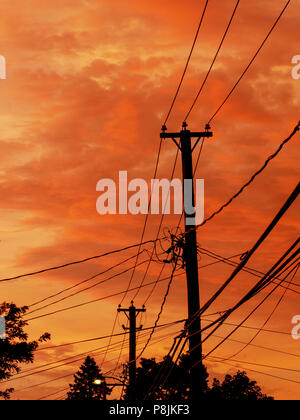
x,y
192,134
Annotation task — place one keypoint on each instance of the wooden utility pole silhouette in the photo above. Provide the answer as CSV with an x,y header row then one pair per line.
x,y
190,250
133,313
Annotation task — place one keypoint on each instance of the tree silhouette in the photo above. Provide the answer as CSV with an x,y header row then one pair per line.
x,y
14,347
176,383
237,387
84,387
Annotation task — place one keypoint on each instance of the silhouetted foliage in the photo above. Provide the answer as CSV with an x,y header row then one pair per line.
x,y
15,347
177,385
237,387
84,387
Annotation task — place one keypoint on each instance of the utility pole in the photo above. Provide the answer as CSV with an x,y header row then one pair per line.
x,y
104,389
190,250
133,313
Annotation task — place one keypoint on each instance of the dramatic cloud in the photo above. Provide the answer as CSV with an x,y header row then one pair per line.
x,y
88,85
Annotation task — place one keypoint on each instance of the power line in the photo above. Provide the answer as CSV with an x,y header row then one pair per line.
x,y
106,336
172,276
53,393
155,341
157,235
89,287
121,349
93,352
250,270
230,324
293,196
161,309
256,345
154,241
250,180
166,119
44,383
145,224
171,279
110,339
254,290
247,269
210,334
251,61
55,367
164,325
60,398
230,94
261,364
262,373
163,366
152,253
250,327
252,177
273,223
142,237
77,262
102,348
250,294
154,285
267,320
98,299
238,341
35,372
213,62
230,311
180,274
159,339
187,64
86,280
106,373
197,162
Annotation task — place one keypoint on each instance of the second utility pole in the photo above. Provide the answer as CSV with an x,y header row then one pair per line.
x,y
190,252
133,313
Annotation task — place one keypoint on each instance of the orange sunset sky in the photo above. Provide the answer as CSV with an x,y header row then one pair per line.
x,y
88,85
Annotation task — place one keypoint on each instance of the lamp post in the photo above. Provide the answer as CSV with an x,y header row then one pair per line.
x,y
102,382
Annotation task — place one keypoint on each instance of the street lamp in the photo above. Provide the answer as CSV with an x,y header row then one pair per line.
x,y
102,383
97,381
